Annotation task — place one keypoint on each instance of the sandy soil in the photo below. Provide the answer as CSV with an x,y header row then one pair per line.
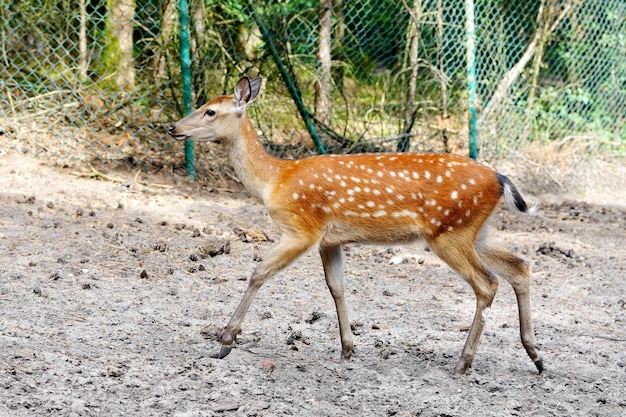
x,y
105,286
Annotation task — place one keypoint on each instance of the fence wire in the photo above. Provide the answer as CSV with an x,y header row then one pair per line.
x,y
99,80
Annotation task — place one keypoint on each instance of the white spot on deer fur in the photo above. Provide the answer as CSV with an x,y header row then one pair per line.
x,y
472,181
446,212
355,179
343,183
350,213
361,206
369,170
376,192
366,215
326,209
295,196
416,175
433,220
460,221
366,189
463,187
336,205
380,174
393,158
454,195
350,199
467,213
400,197
405,213
350,191
420,195
447,174
450,228
392,173
357,189
380,213
439,178
475,200
390,202
370,204
413,196
389,189
426,174
301,182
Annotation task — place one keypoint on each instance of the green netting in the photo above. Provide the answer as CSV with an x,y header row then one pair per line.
x,y
100,80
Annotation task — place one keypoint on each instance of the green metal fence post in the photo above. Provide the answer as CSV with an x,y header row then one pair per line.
x,y
470,35
185,63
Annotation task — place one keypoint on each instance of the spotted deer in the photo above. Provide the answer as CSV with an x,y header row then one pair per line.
x,y
325,201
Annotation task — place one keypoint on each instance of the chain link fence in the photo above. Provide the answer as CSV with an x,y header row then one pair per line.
x,y
99,81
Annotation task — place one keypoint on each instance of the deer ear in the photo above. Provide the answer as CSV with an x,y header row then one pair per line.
x,y
246,91
255,87
242,92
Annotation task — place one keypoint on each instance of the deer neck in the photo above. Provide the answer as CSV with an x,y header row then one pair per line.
x,y
255,168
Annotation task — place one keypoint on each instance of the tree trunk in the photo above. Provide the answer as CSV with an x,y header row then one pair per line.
x,y
168,22
83,59
411,112
322,87
509,78
118,54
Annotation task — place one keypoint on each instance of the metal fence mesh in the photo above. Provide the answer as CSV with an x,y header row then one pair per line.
x,y
100,80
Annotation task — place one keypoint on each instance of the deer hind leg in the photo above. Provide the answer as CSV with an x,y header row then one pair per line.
x,y
459,253
287,251
515,271
332,259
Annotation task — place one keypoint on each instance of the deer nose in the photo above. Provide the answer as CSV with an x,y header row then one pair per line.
x,y
171,130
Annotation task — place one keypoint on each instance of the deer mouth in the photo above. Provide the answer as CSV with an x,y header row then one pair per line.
x,y
176,135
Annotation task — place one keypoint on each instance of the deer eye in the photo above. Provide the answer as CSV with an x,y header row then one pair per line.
x,y
209,113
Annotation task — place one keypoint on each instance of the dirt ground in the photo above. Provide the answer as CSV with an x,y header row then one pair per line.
x,y
105,286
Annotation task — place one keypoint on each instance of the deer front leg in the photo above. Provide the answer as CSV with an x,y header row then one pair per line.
x,y
288,249
332,259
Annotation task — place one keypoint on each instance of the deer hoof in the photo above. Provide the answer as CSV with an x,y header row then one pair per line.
x,y
224,351
539,365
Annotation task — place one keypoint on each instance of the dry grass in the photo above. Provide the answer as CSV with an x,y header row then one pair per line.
x,y
573,165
